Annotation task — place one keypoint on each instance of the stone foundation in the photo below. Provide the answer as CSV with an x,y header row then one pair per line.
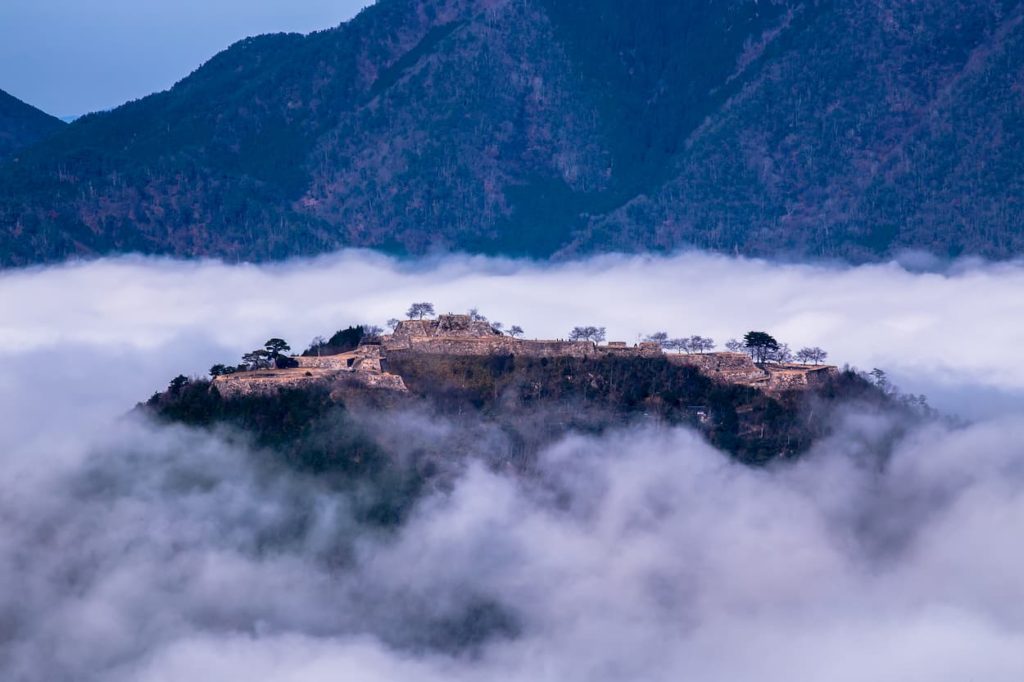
x,y
455,335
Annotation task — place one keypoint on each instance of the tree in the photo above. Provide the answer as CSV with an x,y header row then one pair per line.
x,y
595,334
660,338
417,311
812,355
678,345
780,355
475,315
276,347
497,326
372,331
759,345
515,331
881,380
700,344
257,359
177,383
393,324
221,370
735,346
317,344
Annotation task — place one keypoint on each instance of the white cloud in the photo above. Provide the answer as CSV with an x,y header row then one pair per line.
x,y
131,552
938,330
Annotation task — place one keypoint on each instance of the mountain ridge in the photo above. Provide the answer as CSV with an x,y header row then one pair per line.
x,y
825,129
22,125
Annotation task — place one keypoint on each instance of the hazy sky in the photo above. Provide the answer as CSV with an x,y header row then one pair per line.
x,y
70,57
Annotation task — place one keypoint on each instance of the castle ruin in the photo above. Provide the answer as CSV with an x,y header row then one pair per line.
x,y
463,335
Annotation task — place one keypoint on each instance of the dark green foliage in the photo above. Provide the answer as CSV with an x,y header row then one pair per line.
x,y
275,347
221,370
285,362
343,341
177,383
760,345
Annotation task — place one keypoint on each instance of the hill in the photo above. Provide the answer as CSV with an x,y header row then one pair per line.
x,y
460,371
817,128
22,125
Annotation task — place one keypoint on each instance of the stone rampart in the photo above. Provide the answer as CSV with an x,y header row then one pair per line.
x,y
735,368
498,345
334,362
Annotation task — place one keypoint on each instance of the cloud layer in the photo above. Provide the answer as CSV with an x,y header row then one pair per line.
x,y
135,552
934,330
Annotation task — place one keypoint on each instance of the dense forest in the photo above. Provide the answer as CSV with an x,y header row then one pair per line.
x,y
805,128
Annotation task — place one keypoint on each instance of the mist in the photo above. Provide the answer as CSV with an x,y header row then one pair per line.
x,y
136,551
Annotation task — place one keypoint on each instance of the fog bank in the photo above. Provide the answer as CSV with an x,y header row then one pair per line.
x,y
130,551
946,332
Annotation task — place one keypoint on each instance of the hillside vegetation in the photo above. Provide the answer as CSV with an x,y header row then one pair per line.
x,y
821,128
532,402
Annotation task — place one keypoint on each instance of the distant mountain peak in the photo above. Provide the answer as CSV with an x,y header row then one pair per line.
x,y
22,125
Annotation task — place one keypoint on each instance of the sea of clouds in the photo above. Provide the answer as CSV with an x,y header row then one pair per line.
x,y
130,551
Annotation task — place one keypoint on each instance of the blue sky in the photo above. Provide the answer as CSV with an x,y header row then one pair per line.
x,y
70,57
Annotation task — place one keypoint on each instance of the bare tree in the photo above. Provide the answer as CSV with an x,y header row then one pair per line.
x,y
781,355
515,331
813,355
393,323
417,311
317,344
678,345
474,315
497,326
372,332
700,344
660,338
735,346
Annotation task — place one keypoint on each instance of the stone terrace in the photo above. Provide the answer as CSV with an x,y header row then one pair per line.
x,y
463,335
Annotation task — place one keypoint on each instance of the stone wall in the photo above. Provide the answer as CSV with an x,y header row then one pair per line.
x,y
256,383
498,345
456,335
334,362
799,378
460,326
735,368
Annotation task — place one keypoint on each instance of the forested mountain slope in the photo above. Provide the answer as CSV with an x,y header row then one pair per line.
x,y
846,128
22,125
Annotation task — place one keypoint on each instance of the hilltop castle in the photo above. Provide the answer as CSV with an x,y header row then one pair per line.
x,y
463,335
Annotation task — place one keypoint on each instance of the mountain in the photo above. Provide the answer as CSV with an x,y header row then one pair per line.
x,y
823,128
22,125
